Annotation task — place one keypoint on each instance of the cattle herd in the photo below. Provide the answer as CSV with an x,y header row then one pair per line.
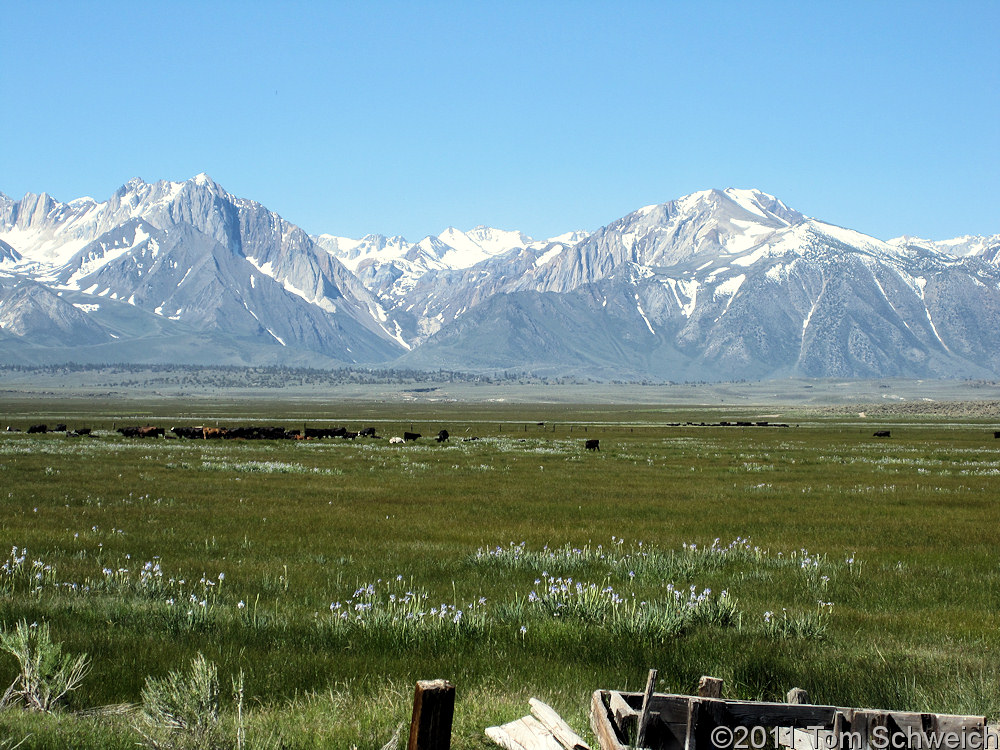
x,y
257,432
251,432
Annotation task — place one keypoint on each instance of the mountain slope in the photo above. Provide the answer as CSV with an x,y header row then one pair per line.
x,y
32,310
192,252
733,284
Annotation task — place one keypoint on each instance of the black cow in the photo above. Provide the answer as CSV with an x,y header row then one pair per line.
x,y
82,430
996,435
442,436
326,432
38,428
407,436
190,433
882,433
142,432
593,445
367,432
59,428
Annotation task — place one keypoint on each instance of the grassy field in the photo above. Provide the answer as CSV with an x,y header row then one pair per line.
x,y
334,574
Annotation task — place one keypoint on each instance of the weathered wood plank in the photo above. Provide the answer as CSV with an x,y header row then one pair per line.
x,y
626,717
690,734
840,739
552,721
640,737
602,723
674,709
860,721
804,739
531,734
499,735
748,714
433,710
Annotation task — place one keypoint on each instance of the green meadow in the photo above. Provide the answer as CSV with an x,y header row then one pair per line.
x,y
333,574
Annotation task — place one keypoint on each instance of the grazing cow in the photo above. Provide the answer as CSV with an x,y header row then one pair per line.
x,y
882,433
326,432
213,433
36,428
141,432
82,430
996,435
59,428
593,445
396,441
442,436
190,433
367,432
407,436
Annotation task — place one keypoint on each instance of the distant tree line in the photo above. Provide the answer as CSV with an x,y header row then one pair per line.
x,y
278,376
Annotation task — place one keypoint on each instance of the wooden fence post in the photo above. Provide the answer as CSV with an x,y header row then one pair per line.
x,y
710,687
433,709
798,696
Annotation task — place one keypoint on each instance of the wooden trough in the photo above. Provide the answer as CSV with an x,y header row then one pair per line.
x,y
663,721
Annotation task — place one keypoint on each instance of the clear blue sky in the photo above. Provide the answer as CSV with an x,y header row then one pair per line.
x,y
405,118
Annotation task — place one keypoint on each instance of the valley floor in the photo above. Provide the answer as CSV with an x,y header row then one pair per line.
x,y
332,574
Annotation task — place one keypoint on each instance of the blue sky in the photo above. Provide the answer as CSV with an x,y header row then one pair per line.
x,y
405,118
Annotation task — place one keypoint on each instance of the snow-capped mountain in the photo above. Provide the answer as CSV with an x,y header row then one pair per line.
x,y
719,284
732,284
960,247
191,252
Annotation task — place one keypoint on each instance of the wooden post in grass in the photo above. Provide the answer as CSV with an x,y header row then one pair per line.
x,y
647,698
433,709
709,687
798,696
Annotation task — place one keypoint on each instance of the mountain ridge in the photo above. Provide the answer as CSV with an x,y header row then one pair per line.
x,y
711,285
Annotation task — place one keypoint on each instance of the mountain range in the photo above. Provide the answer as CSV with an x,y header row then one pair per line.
x,y
717,285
